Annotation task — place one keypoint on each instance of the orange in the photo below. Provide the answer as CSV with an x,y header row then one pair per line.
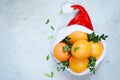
x,y
97,49
81,49
77,65
77,35
59,53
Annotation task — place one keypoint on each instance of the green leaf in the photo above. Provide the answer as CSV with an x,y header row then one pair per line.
x,y
103,37
47,57
50,37
75,49
92,70
52,74
58,69
47,21
63,68
65,63
49,74
65,48
52,27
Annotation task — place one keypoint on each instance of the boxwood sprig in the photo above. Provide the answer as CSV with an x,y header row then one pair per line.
x,y
68,46
91,64
64,65
96,38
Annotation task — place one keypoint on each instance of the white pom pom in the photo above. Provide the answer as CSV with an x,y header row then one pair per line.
x,y
67,8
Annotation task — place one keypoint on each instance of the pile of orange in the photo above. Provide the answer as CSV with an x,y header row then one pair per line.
x,y
81,50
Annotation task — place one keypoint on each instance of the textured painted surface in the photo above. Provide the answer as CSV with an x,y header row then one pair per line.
x,y
24,42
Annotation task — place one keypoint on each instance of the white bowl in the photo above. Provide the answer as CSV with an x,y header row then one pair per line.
x,y
68,30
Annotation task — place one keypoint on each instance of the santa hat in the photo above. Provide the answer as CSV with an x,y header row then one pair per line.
x,y
81,18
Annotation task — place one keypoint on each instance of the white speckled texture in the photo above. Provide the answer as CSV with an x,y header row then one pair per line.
x,y
24,42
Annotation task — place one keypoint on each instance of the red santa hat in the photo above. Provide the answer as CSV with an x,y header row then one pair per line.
x,y
81,18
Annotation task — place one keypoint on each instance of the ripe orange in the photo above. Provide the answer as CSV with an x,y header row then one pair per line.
x,y
77,65
97,49
81,49
59,53
77,35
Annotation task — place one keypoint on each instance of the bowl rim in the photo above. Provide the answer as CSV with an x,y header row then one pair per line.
x,y
65,32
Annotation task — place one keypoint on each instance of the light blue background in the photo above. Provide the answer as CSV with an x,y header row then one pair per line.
x,y
24,42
